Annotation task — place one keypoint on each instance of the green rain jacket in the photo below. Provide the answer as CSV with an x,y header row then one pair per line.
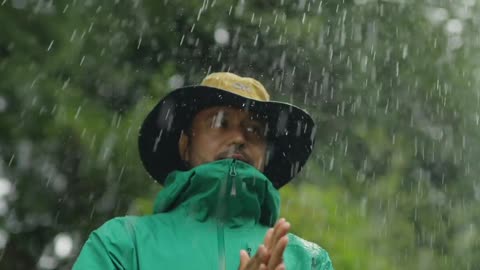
x,y
202,219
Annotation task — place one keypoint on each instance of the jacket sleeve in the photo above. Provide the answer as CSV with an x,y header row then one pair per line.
x,y
110,247
323,262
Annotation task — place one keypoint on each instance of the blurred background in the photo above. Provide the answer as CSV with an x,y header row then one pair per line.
x,y
393,86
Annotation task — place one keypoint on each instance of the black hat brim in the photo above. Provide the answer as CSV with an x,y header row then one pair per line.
x,y
291,131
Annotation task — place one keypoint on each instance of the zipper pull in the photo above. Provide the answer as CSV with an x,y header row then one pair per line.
x,y
233,173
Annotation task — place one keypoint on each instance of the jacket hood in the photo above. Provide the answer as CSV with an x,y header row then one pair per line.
x,y
229,190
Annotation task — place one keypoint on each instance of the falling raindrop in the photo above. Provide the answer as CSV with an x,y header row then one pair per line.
x,y
50,45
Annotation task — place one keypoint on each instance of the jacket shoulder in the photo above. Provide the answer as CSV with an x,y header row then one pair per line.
x,y
111,246
318,256
118,224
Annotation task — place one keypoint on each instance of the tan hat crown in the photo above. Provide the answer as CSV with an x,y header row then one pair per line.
x,y
243,86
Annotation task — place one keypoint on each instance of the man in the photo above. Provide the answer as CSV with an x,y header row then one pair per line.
x,y
222,150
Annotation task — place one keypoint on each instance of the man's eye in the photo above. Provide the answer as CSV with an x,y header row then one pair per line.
x,y
254,130
219,121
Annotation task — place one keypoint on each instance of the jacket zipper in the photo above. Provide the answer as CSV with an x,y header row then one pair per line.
x,y
222,264
221,246
233,174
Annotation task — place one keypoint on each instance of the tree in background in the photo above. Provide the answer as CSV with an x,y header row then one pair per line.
x,y
392,183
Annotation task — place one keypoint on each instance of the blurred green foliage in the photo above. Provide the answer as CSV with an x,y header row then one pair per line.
x,y
392,184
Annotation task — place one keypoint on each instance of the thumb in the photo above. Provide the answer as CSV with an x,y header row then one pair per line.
x,y
244,259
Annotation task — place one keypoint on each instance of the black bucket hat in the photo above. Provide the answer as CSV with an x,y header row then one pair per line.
x,y
290,130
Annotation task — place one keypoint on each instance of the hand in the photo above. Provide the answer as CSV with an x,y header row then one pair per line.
x,y
269,255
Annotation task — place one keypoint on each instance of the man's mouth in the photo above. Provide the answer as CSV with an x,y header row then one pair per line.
x,y
239,157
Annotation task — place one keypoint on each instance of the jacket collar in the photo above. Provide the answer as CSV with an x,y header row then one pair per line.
x,y
229,190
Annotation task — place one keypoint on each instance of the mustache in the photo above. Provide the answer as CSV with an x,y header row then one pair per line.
x,y
235,151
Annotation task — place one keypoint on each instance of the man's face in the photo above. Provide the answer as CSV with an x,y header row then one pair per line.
x,y
224,132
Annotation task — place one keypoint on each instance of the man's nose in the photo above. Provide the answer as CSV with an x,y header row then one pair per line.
x,y
237,136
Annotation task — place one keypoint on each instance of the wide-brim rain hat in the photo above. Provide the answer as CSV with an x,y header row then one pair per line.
x,y
290,130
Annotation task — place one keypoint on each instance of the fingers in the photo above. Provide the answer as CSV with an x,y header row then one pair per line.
x,y
270,254
244,258
262,255
276,240
276,256
281,229
268,238
270,235
260,258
